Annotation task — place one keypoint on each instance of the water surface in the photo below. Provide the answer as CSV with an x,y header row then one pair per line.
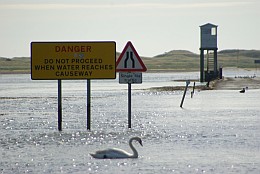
x,y
216,131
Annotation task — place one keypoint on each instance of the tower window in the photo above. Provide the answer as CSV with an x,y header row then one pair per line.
x,y
213,31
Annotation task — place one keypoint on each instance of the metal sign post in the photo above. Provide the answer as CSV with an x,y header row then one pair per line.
x,y
130,78
88,104
59,106
130,65
129,105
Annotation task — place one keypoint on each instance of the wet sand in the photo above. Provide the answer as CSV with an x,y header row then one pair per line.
x,y
227,83
230,83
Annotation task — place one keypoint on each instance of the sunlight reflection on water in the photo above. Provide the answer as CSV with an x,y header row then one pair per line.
x,y
215,132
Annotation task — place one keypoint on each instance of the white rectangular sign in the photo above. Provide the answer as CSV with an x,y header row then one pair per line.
x,y
130,77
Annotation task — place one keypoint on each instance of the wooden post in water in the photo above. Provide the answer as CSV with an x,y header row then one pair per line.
x,y
193,90
185,90
59,106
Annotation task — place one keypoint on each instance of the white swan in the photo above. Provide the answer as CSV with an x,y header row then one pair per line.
x,y
118,153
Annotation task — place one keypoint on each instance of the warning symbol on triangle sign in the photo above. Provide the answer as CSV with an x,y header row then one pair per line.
x,y
129,60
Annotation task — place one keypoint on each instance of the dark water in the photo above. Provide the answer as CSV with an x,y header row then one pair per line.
x,y
214,132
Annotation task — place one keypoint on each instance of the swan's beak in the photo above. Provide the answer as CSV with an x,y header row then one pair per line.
x,y
141,142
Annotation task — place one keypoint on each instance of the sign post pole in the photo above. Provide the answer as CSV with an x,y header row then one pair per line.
x,y
59,106
88,104
129,105
129,65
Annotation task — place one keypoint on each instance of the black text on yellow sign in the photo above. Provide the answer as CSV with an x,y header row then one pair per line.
x,y
73,60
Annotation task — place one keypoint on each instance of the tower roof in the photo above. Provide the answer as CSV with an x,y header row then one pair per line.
x,y
209,24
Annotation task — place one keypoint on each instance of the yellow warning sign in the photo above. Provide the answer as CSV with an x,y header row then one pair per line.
x,y
73,60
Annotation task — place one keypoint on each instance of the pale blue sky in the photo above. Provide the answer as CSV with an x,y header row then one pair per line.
x,y
154,26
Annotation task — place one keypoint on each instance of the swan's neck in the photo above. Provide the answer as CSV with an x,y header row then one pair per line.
x,y
135,153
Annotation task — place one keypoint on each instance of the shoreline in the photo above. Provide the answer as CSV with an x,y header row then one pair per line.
x,y
15,72
148,71
235,83
227,83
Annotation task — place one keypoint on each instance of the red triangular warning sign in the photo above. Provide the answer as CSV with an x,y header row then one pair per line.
x,y
129,60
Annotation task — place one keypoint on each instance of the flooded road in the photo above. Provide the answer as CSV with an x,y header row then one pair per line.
x,y
216,131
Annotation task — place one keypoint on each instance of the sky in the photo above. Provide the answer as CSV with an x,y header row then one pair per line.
x,y
153,26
